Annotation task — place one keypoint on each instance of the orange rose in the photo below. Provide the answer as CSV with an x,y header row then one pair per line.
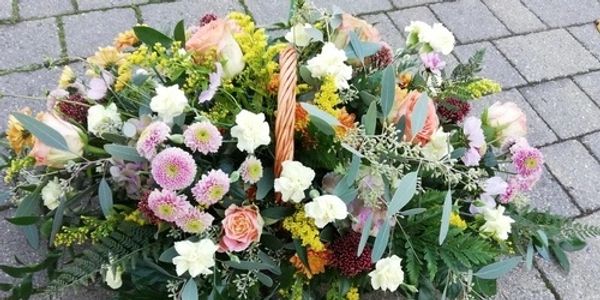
x,y
241,226
431,121
366,32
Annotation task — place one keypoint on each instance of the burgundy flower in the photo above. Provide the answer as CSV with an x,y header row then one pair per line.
x,y
74,109
384,57
207,18
145,210
453,110
344,255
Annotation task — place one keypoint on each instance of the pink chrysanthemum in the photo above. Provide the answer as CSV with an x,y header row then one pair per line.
x,y
528,161
167,205
513,188
194,221
512,144
251,170
203,137
211,188
155,134
173,169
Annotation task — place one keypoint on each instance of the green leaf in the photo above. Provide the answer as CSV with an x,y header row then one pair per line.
x,y
58,219
446,212
529,256
189,290
413,211
30,206
151,36
542,237
270,241
179,33
106,197
573,245
419,114
364,236
388,90
265,184
277,212
405,191
264,279
266,259
123,152
381,241
356,46
307,77
43,132
24,220
301,251
367,98
168,255
322,119
247,265
370,119
561,257
497,269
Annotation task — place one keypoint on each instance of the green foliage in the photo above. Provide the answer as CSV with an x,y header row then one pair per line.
x,y
465,72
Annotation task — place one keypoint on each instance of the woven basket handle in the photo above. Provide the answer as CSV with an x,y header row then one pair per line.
x,y
286,107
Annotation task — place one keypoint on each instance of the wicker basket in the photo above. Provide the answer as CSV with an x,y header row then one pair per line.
x,y
286,107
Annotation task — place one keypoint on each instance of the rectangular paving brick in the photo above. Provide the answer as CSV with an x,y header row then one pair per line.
x,y
520,284
538,133
495,66
592,141
96,4
575,167
164,16
85,32
558,13
402,18
43,8
589,36
267,12
547,55
581,282
17,47
590,83
356,6
469,20
548,196
567,110
515,15
5,9
408,3
387,30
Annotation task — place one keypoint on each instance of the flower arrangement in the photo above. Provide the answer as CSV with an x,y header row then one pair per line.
x,y
161,162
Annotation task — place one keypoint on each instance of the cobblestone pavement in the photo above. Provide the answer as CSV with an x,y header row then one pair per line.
x,y
545,53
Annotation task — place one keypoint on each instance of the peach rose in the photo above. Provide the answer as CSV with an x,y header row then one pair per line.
x,y
242,226
431,121
366,32
399,97
51,157
218,35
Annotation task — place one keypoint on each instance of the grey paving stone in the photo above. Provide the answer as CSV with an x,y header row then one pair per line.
x,y
35,84
164,16
495,66
567,110
573,166
469,20
588,35
558,13
408,3
548,196
593,142
356,6
547,55
538,133
85,32
581,282
387,30
515,15
402,18
5,9
16,43
267,12
590,83
96,4
521,284
43,8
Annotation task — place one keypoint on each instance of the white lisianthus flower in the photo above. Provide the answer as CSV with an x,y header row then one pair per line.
x,y
438,146
169,102
51,193
439,38
388,274
496,223
326,209
251,131
232,56
330,62
294,180
113,279
508,119
299,35
195,257
104,119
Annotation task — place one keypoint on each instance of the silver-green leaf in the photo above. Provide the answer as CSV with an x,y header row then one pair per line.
x,y
420,114
497,269
43,132
370,119
446,212
381,241
190,290
106,197
388,90
405,191
364,236
123,152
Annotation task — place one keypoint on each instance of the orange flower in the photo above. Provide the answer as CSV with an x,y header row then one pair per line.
x,y
404,80
431,121
347,122
302,118
18,138
317,261
126,39
273,84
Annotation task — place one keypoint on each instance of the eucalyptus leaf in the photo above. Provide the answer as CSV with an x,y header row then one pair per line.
x,y
367,98
307,77
364,236
529,257
446,212
388,90
381,241
43,132
419,114
405,191
189,290
318,113
413,211
30,206
301,251
265,184
247,265
57,221
168,255
106,197
123,152
24,220
277,212
542,237
561,257
497,269
264,279
370,119
356,46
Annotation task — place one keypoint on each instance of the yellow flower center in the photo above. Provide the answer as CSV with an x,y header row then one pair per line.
x,y
165,210
202,135
172,170
531,163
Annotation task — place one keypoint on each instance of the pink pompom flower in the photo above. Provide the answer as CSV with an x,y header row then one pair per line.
x,y
173,169
251,170
155,134
167,205
528,161
211,188
193,220
203,137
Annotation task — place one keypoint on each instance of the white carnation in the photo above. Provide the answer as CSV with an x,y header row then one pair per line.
x,y
294,180
326,209
195,258
439,38
299,35
438,146
496,223
330,62
51,193
169,102
104,119
251,131
388,274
